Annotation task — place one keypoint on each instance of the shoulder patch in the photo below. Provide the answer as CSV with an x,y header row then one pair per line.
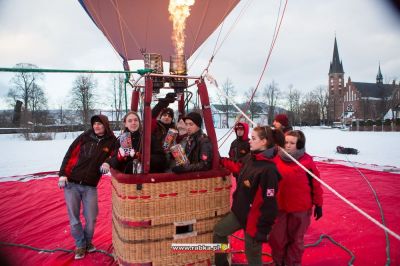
x,y
270,192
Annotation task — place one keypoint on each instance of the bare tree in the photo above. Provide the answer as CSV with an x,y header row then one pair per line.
x,y
118,96
229,90
293,99
321,95
310,111
83,97
25,87
270,94
251,107
38,104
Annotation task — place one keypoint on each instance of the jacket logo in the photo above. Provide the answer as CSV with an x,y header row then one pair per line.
x,y
270,192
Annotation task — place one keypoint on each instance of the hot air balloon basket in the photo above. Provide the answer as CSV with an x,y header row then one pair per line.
x,y
147,223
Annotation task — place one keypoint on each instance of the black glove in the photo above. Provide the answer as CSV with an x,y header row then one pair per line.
x,y
178,169
317,212
169,98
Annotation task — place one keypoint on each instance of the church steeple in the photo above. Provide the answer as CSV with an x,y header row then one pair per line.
x,y
379,78
336,65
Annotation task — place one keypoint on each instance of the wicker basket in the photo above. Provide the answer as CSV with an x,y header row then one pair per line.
x,y
149,217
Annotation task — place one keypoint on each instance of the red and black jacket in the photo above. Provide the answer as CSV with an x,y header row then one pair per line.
x,y
254,200
84,157
240,147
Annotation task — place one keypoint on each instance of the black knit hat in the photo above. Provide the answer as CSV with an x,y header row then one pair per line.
x,y
167,111
195,117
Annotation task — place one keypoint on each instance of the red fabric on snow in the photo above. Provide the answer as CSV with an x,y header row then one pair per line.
x,y
34,213
347,226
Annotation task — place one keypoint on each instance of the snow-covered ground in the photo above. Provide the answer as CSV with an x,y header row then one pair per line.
x,y
20,157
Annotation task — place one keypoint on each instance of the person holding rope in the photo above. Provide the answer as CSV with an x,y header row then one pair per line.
x,y
254,205
298,192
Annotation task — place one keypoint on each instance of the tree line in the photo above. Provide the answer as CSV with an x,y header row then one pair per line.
x,y
302,108
29,100
26,94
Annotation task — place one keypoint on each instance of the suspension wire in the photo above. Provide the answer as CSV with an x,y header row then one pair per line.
x,y
272,45
321,237
388,259
232,27
242,11
51,250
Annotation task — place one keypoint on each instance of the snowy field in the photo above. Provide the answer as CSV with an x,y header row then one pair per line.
x,y
20,157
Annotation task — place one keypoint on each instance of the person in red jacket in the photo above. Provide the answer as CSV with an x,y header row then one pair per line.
x,y
298,193
240,146
254,205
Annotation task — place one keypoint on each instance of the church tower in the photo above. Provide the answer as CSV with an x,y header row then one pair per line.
x,y
336,87
379,77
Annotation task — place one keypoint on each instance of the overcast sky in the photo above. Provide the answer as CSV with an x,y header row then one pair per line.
x,y
59,34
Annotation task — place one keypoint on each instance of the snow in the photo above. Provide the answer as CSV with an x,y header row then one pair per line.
x,y
20,157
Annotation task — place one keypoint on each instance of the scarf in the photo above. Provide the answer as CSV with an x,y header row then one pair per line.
x,y
297,154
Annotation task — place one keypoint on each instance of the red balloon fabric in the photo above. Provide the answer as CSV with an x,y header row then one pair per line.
x,y
33,213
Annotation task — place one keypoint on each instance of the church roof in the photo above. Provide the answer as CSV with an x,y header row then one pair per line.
x,y
374,90
336,65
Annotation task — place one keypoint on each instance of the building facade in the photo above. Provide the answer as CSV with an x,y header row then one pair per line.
x,y
359,100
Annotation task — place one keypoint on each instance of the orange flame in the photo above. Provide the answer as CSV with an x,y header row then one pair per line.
x,y
179,11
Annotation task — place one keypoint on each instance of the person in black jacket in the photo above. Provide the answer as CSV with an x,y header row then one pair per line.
x,y
254,205
79,175
198,147
240,146
126,157
159,159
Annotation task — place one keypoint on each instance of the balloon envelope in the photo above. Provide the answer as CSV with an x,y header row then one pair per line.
x,y
133,26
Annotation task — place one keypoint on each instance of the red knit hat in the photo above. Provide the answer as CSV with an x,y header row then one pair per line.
x,y
283,119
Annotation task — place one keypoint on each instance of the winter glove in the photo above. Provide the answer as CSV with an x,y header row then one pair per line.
x,y
317,212
169,98
104,168
62,182
178,169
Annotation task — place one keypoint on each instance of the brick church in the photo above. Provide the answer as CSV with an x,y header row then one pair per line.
x,y
359,100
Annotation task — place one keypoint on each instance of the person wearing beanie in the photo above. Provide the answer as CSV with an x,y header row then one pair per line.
x,y
79,174
297,194
281,122
240,146
162,121
198,147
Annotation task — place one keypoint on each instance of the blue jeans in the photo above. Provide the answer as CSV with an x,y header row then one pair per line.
x,y
74,195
